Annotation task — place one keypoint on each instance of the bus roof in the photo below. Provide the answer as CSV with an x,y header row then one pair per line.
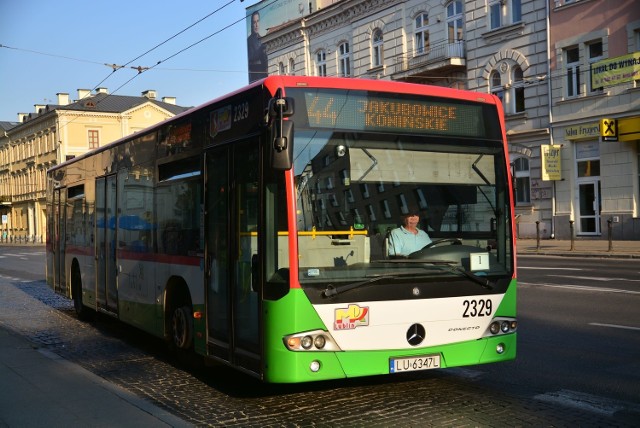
x,y
273,83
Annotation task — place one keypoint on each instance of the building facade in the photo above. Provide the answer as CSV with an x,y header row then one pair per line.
x,y
595,76
54,133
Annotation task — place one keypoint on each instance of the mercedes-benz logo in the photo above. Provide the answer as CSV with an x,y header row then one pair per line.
x,y
416,334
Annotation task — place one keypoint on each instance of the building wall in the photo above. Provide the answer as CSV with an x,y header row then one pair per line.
x,y
46,140
466,64
516,43
579,26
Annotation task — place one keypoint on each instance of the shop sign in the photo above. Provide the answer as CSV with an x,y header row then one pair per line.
x,y
551,162
585,130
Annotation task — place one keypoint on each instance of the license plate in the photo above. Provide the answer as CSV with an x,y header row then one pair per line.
x,y
411,364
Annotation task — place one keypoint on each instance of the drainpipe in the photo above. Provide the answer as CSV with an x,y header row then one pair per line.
x,y
549,101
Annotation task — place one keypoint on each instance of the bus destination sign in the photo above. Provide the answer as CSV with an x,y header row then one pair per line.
x,y
363,112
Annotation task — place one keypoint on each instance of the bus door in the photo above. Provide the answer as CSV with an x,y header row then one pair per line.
x,y
59,233
105,252
231,219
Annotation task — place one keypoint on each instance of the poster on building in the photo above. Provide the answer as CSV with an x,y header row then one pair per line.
x,y
262,18
551,162
614,71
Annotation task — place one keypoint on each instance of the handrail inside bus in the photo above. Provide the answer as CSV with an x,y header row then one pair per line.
x,y
313,233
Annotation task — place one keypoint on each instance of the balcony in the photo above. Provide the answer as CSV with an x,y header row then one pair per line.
x,y
436,60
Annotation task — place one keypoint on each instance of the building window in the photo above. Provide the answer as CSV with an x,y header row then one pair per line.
x,y
495,14
496,86
376,48
282,69
572,57
521,177
94,138
422,34
454,21
321,63
292,66
344,60
516,11
504,12
518,90
595,55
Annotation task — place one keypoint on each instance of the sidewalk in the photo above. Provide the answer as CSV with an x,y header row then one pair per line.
x,y
40,389
581,248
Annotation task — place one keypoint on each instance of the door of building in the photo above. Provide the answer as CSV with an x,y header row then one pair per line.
x,y
589,207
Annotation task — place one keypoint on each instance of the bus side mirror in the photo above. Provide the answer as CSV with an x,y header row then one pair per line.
x,y
281,133
282,149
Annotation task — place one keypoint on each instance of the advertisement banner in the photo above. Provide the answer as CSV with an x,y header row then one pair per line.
x,y
262,18
614,71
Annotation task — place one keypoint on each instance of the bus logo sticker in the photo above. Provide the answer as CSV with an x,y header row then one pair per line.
x,y
220,120
351,317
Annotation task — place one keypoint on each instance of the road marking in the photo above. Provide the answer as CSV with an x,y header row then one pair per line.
x,y
581,287
596,278
582,401
624,327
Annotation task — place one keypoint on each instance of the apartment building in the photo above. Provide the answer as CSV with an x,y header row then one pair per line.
x,y
595,76
54,133
490,46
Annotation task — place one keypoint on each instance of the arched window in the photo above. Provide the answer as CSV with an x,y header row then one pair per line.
x,y
518,90
421,34
321,63
376,49
292,66
496,85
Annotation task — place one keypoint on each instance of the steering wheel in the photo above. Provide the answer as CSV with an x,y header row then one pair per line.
x,y
454,241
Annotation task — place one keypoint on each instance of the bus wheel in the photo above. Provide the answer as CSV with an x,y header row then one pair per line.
x,y
83,312
182,327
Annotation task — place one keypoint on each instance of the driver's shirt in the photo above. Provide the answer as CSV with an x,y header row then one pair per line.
x,y
402,242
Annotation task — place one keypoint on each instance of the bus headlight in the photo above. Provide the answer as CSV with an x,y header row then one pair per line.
x,y
501,325
306,342
317,340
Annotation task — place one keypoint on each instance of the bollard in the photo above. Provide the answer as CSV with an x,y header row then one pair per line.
x,y
610,233
571,232
537,235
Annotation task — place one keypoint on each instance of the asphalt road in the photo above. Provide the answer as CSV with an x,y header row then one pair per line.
x,y
578,360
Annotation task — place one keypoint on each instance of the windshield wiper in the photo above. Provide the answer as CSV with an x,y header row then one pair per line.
x,y
331,291
484,282
450,265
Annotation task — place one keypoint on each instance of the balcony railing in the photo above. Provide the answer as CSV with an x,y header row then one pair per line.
x,y
443,54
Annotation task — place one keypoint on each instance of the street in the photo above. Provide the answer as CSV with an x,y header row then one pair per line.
x,y
578,359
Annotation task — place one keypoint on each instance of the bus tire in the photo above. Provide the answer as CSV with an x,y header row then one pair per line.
x,y
182,327
82,312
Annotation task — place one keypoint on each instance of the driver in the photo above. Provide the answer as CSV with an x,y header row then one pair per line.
x,y
408,238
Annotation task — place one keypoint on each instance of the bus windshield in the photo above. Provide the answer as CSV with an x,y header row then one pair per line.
x,y
356,190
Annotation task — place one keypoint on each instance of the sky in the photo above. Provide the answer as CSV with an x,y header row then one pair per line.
x,y
62,46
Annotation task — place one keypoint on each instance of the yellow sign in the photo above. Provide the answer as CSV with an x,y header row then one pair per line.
x,y
613,71
584,131
551,162
629,129
609,129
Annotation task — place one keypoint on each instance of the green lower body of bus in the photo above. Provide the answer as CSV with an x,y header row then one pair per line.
x,y
295,314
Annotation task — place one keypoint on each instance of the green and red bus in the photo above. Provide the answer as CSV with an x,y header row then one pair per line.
x,y
254,230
